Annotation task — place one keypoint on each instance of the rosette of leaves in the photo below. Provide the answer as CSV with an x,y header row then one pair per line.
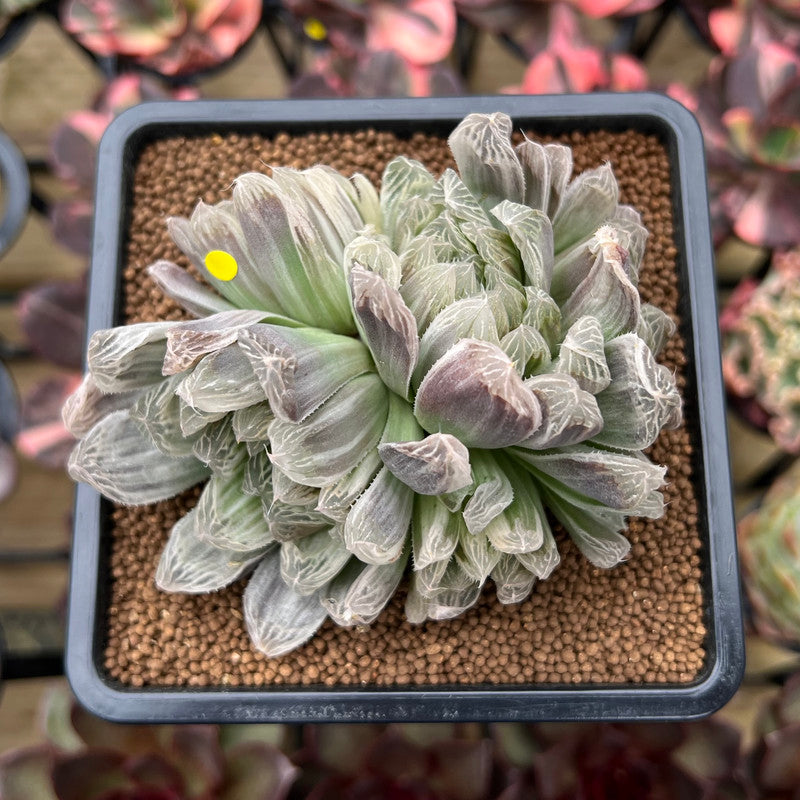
x,y
760,359
425,376
769,542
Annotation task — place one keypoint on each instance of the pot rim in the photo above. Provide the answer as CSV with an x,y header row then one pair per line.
x,y
646,112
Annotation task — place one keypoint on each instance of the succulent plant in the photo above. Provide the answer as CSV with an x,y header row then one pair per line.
x,y
695,761
567,62
760,327
423,375
173,37
769,542
749,109
87,758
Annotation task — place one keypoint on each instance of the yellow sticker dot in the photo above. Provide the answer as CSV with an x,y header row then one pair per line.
x,y
315,29
222,265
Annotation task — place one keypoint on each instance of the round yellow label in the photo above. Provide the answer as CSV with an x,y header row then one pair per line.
x,y
222,265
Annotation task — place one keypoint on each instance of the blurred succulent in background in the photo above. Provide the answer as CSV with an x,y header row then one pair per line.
x,y
420,375
749,109
412,762
769,549
9,424
375,48
695,761
772,766
87,758
761,349
172,37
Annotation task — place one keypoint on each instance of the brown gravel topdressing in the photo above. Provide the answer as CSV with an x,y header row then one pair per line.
x,y
639,623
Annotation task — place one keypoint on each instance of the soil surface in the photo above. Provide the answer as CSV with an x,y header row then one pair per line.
x,y
642,622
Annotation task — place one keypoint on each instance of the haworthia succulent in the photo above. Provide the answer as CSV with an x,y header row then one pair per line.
x,y
429,375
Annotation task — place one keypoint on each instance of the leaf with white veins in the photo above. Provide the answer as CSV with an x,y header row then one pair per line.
x,y
543,561
476,555
189,564
655,327
527,348
406,187
474,393
387,326
376,529
569,414
543,314
222,381
158,413
129,357
332,441
288,522
481,145
300,369
511,580
87,405
618,481
361,591
192,420
493,492
229,518
434,531
310,563
336,499
589,201
641,399
121,462
456,593
251,424
582,355
188,342
437,464
371,251
217,447
278,619
532,234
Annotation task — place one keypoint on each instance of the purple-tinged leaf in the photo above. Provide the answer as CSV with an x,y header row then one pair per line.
x,y
52,318
474,393
437,464
71,224
189,293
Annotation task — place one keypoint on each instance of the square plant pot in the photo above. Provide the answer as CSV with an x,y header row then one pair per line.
x,y
659,637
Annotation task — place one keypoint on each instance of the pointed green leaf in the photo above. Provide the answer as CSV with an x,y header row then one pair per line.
x,y
257,473
387,326
334,439
486,160
192,420
569,414
589,201
543,314
493,492
507,299
547,170
377,527
121,462
476,555
474,393
222,381
435,531
299,369
511,580
186,291
278,619
191,565
406,203
641,399
289,522
582,355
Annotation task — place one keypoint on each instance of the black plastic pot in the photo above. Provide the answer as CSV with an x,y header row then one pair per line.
x,y
648,113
